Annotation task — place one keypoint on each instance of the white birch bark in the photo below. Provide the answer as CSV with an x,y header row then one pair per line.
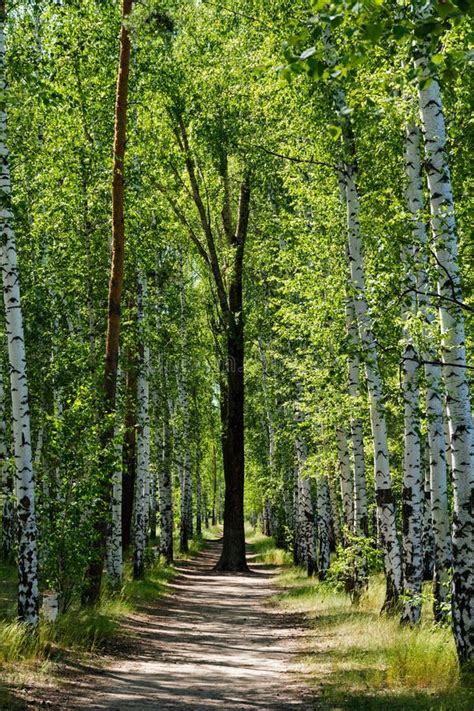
x,y
324,527
305,542
142,486
165,486
458,404
428,540
198,491
361,521
433,395
438,491
114,539
384,495
345,474
335,510
412,497
8,510
357,581
28,600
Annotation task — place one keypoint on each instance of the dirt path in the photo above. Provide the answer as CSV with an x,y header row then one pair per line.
x,y
214,643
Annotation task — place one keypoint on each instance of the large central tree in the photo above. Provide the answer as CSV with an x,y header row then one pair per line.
x,y
222,249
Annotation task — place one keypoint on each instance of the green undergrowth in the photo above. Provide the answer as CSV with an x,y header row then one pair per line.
x,y
81,631
356,658
263,549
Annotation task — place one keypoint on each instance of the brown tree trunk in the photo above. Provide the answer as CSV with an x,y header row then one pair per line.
x,y
91,591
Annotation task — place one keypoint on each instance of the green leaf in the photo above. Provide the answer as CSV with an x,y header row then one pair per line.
x,y
334,132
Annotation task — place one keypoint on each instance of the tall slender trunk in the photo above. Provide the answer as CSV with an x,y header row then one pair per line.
x,y
165,481
438,490
114,539
199,497
8,509
304,532
324,527
337,536
214,485
153,507
185,465
458,405
384,495
24,479
427,538
270,432
346,480
142,483
361,522
186,513
129,448
358,579
412,510
91,592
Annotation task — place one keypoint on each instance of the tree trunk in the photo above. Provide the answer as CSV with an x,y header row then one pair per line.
x,y
114,539
361,522
336,528
324,527
437,488
232,407
384,495
142,483
199,498
412,506
8,509
129,449
165,481
233,549
28,595
91,592
428,538
214,485
345,474
453,354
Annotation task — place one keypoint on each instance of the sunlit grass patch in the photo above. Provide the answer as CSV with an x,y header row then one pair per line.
x,y
356,658
264,550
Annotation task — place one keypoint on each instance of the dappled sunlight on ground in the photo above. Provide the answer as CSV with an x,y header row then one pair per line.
x,y
214,642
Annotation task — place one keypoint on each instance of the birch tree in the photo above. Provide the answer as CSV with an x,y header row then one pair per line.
x,y
28,592
458,406
142,483
8,510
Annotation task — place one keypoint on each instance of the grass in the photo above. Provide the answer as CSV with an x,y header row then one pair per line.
x,y
357,659
264,549
78,631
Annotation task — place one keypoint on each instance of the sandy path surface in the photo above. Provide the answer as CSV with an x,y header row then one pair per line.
x,y
214,643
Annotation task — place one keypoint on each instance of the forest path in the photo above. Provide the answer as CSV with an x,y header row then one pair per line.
x,y
214,643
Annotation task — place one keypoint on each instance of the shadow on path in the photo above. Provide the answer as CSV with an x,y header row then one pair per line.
x,y
213,643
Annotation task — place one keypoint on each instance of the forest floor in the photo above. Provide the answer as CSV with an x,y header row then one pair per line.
x,y
213,643
269,640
